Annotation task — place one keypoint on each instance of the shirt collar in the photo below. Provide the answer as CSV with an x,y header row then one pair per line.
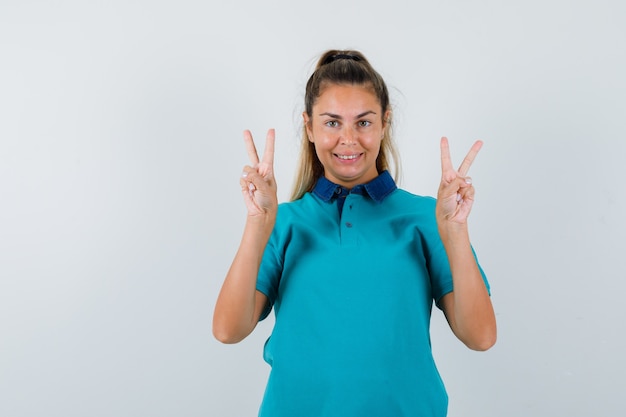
x,y
378,188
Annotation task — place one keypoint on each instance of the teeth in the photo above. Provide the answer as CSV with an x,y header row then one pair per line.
x,y
347,156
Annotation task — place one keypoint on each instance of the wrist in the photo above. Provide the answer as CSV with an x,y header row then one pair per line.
x,y
263,222
451,232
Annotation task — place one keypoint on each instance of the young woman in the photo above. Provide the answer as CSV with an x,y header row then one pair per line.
x,y
352,265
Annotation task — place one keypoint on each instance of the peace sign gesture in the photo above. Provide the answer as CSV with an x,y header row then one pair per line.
x,y
456,193
258,185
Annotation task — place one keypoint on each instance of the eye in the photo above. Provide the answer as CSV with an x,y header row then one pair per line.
x,y
332,123
364,123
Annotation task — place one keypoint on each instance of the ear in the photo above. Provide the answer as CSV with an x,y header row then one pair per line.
x,y
386,119
307,126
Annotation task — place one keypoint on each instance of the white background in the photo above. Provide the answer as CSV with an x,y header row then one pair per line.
x,y
120,209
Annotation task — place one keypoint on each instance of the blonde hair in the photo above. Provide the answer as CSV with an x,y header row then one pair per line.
x,y
342,67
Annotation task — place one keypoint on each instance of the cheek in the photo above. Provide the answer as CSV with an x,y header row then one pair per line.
x,y
321,149
375,141
323,139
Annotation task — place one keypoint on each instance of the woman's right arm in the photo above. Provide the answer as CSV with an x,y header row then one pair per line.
x,y
239,304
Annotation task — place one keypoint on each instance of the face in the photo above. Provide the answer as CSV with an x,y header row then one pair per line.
x,y
347,127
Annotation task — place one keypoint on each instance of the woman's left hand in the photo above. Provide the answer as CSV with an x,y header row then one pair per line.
x,y
456,192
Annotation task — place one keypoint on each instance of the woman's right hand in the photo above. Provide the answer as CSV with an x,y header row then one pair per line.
x,y
239,304
258,184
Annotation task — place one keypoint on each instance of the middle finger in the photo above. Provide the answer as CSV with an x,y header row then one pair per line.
x,y
251,148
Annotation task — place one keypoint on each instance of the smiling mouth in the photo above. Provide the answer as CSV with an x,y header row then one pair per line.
x,y
348,157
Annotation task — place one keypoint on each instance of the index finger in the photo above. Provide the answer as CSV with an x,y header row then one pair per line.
x,y
268,153
252,153
469,158
446,161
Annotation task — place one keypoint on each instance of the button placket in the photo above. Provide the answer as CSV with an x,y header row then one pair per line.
x,y
348,226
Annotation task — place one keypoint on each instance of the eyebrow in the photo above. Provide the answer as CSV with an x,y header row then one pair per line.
x,y
336,116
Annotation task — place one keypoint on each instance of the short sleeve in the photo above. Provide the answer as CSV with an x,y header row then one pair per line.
x,y
270,271
441,276
438,263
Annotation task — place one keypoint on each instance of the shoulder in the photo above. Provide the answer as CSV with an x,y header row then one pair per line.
x,y
413,202
307,215
404,194
415,212
305,203
305,209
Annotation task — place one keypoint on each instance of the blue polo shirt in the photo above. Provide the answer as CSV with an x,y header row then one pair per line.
x,y
352,276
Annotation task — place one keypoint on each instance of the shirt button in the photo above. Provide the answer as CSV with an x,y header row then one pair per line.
x,y
348,224
338,190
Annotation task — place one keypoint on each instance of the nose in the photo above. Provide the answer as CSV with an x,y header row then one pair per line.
x,y
347,136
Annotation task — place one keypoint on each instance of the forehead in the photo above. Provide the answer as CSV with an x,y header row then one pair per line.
x,y
347,96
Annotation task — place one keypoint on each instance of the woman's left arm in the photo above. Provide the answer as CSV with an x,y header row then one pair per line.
x,y
468,308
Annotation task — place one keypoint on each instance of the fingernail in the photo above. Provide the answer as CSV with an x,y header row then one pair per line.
x,y
458,197
251,187
244,174
468,180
